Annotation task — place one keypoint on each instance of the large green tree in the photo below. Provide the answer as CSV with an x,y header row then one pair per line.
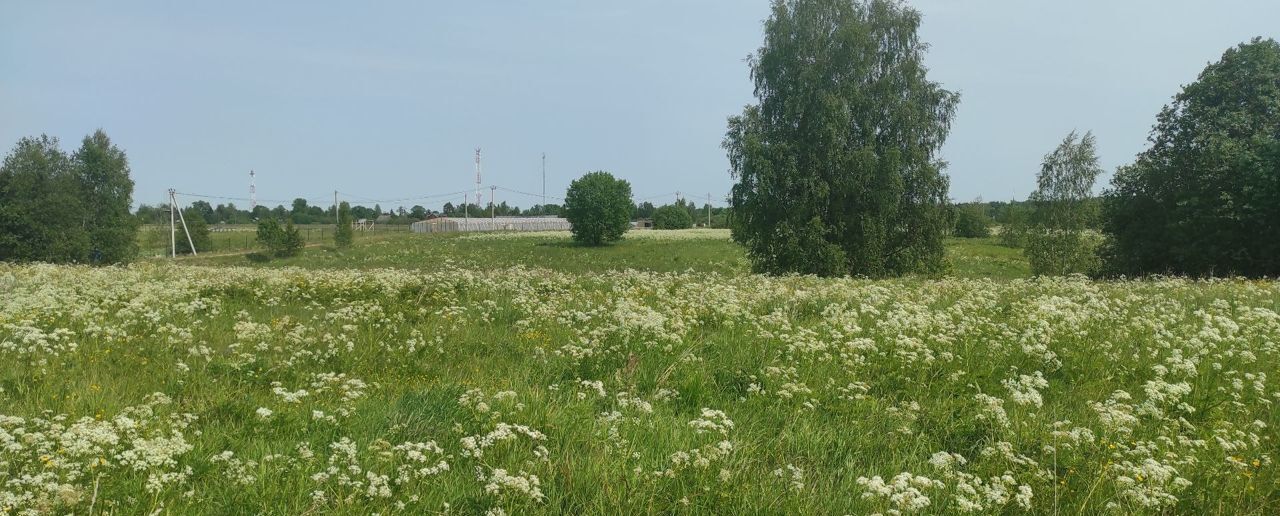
x,y
106,192
598,207
1204,198
836,166
41,212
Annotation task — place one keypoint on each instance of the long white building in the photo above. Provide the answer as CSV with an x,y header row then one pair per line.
x,y
460,224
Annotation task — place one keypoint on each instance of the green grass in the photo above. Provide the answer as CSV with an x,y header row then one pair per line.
x,y
153,240
706,251
985,258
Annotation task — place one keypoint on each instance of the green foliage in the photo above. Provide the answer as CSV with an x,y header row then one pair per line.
x,y
1056,242
598,207
55,208
672,217
1204,199
972,221
836,165
280,241
199,232
1013,229
107,194
292,243
344,234
41,209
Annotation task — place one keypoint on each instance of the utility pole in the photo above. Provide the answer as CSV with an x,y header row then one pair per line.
x,y
173,232
465,215
708,210
173,202
544,181
493,193
337,220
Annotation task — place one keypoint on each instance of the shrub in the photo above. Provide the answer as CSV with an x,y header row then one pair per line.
x,y
598,207
1013,231
344,235
199,233
280,241
972,222
672,217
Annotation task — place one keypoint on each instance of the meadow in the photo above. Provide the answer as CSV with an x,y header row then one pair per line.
x,y
519,374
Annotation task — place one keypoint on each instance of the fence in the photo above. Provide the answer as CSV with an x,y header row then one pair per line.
x,y
153,240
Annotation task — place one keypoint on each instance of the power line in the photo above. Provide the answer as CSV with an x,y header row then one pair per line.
x,y
417,198
225,198
527,193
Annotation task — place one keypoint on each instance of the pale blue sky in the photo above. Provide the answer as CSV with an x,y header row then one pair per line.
x,y
387,100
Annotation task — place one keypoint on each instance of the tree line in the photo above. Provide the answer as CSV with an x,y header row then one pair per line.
x,y
300,212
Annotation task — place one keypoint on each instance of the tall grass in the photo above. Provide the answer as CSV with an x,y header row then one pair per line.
x,y
471,387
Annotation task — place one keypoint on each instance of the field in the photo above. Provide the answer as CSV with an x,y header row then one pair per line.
x,y
154,240
519,374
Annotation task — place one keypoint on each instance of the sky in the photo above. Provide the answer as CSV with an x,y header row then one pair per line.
x,y
386,101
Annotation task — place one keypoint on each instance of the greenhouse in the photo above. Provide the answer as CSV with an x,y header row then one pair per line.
x,y
475,224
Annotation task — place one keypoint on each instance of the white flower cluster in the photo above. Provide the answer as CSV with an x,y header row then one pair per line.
x,y
523,483
712,421
49,464
904,493
475,445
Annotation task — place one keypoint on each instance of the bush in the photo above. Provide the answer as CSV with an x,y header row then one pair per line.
x,y
1061,252
344,235
598,207
280,241
1204,199
972,222
1013,231
1056,239
672,217
199,233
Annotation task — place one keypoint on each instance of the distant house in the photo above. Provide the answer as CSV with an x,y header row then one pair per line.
x,y
642,224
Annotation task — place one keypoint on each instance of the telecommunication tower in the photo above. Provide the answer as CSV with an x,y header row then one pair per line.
x,y
253,193
478,177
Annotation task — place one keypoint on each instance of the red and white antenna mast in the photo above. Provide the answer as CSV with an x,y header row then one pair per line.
x,y
253,193
478,177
